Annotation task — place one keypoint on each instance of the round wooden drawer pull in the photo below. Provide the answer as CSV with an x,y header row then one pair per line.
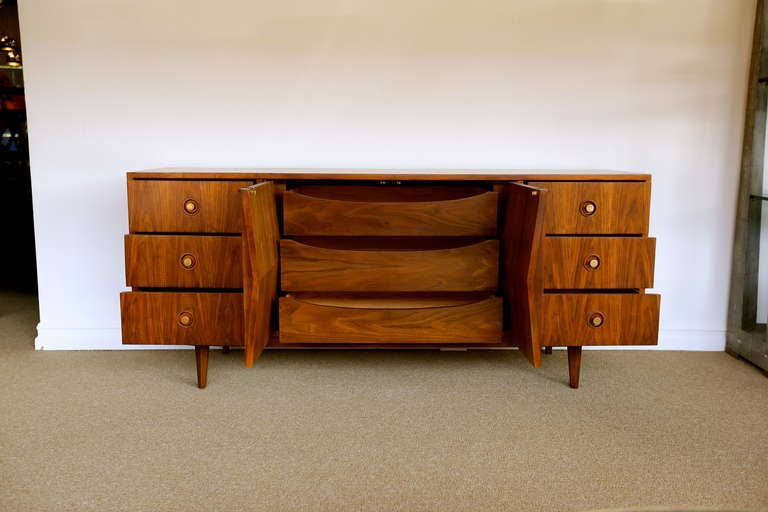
x,y
191,207
188,261
592,262
185,319
588,208
596,319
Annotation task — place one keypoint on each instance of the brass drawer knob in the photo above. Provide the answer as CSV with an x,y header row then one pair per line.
x,y
191,207
185,318
588,208
188,261
596,319
592,262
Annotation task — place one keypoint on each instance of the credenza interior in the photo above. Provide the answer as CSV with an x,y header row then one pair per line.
x,y
389,259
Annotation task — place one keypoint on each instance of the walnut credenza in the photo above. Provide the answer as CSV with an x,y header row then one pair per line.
x,y
310,258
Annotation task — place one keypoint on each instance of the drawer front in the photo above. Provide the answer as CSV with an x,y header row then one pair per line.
x,y
390,211
597,262
611,208
167,206
168,261
170,318
599,319
307,321
311,268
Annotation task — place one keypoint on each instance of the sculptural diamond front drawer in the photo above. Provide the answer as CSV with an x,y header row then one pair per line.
x,y
182,318
574,319
184,206
596,207
597,262
179,261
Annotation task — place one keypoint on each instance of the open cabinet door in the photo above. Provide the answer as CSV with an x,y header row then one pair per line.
x,y
520,238
261,237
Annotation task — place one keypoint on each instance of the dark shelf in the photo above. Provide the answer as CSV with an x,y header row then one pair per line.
x,y
11,89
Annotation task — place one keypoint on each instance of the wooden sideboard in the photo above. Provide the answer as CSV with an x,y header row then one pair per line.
x,y
383,259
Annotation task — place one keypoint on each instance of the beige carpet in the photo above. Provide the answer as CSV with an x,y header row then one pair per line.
x,y
359,431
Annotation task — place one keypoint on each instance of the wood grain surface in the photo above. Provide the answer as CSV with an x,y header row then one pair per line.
x,y
201,362
390,300
521,232
183,261
309,322
574,366
159,206
260,260
157,318
620,208
407,210
499,175
597,262
310,268
628,319
385,258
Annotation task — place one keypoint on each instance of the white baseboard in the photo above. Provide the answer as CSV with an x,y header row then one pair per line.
x,y
705,341
696,341
89,339
109,339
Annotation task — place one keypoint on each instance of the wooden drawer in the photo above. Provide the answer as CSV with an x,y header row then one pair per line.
x,y
611,208
598,319
388,265
390,210
173,318
597,262
185,206
318,319
179,261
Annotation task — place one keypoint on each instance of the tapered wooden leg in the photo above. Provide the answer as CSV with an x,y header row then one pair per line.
x,y
574,366
225,349
548,350
201,357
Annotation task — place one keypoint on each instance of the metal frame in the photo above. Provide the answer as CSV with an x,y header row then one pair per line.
x,y
745,337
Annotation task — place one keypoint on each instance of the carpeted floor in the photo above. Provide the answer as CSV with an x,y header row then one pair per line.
x,y
378,431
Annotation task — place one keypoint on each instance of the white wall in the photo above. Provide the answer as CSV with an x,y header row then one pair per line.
x,y
654,86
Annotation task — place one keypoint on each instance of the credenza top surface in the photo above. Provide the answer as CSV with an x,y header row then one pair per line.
x,y
187,173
